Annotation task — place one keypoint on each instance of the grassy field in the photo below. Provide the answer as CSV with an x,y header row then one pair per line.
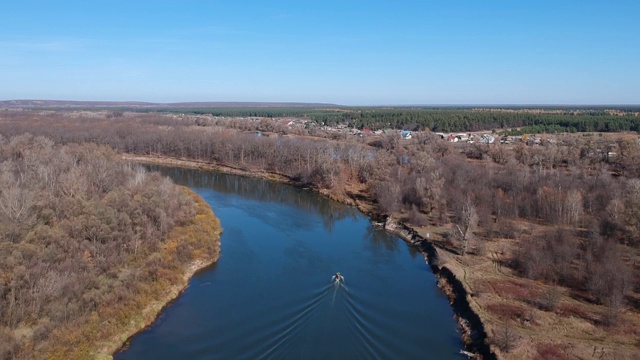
x,y
527,319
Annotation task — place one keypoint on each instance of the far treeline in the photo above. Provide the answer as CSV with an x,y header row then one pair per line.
x,y
544,120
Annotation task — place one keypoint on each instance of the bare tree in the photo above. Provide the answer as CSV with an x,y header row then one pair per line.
x,y
466,224
389,195
16,203
573,207
505,338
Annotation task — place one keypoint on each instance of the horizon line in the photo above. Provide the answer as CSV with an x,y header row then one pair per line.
x,y
325,103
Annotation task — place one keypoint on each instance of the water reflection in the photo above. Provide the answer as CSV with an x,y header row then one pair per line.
x,y
381,238
266,191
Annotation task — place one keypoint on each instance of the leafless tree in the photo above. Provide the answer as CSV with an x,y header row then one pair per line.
x,y
505,338
16,203
466,223
573,207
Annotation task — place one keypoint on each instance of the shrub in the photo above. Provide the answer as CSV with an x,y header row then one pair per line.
x,y
551,352
505,338
507,311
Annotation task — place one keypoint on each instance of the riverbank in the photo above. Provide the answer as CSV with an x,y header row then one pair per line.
x,y
109,328
201,165
205,229
471,326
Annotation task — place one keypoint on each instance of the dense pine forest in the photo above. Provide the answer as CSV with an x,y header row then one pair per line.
x,y
561,218
549,120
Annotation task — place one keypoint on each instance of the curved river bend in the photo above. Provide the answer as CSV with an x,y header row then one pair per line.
x,y
270,295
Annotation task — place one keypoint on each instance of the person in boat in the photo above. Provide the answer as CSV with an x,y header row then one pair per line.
x,y
338,278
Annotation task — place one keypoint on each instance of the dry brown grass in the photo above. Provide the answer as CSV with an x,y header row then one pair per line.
x,y
515,290
551,351
502,298
507,311
577,310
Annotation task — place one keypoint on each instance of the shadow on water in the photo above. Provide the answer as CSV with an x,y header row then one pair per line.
x,y
261,190
381,238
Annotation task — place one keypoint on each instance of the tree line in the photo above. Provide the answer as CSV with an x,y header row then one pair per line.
x,y
435,119
469,120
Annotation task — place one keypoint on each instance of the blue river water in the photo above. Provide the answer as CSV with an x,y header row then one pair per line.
x,y
270,295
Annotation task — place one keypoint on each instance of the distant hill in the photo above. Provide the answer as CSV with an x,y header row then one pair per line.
x,y
148,105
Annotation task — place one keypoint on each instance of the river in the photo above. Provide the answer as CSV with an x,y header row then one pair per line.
x,y
270,295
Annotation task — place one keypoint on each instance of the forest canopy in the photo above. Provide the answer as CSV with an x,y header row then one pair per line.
x,y
80,231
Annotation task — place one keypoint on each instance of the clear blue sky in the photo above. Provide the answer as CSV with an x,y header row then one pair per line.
x,y
348,52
